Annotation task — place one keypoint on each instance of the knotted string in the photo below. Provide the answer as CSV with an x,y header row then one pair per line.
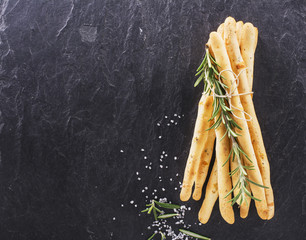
x,y
231,94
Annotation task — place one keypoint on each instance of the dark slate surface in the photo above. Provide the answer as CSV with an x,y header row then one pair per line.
x,y
82,80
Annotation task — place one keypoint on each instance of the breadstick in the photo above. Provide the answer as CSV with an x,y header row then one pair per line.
x,y
239,26
244,208
211,195
204,164
218,47
205,109
220,30
224,179
248,106
248,45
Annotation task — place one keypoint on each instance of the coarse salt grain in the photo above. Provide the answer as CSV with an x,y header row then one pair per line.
x,y
159,137
142,150
175,158
121,150
132,201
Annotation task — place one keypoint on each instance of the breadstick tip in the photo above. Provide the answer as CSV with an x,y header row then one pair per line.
x,y
230,20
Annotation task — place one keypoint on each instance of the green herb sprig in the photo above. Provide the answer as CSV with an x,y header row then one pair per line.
x,y
152,208
209,74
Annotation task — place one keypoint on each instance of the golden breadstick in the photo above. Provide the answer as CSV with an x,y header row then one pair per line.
x,y
211,195
248,106
204,164
224,179
220,53
244,208
220,30
205,109
248,45
239,26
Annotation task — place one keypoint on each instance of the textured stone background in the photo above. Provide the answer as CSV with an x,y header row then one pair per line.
x,y
82,80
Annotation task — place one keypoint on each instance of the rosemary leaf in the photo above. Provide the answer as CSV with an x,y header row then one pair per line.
x,y
167,205
192,234
167,215
257,184
151,236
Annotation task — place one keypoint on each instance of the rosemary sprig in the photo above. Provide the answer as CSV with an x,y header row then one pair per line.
x,y
209,74
152,208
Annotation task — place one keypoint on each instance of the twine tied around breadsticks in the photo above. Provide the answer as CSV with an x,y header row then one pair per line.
x,y
231,94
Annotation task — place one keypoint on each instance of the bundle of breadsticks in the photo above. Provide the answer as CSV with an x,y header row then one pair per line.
x,y
236,177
